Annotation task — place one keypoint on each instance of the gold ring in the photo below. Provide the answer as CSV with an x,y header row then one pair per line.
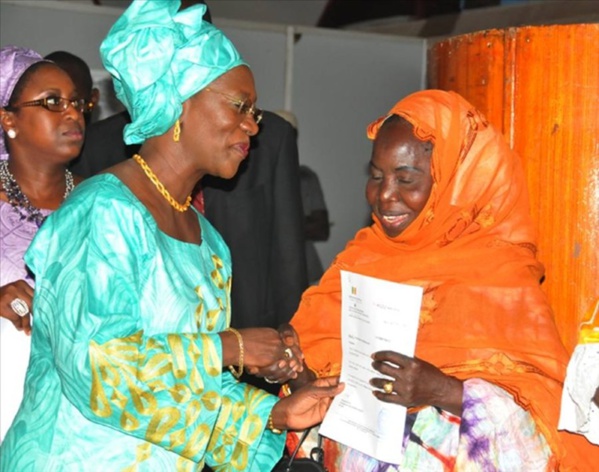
x,y
288,353
388,387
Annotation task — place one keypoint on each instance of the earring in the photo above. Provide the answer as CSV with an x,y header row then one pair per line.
x,y
11,133
177,131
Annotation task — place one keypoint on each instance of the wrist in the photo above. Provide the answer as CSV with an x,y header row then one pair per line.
x,y
271,426
233,351
276,420
230,347
452,396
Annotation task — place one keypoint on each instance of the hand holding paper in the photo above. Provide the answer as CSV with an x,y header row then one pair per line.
x,y
376,315
415,383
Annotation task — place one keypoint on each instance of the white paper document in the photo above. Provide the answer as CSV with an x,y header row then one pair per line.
x,y
376,315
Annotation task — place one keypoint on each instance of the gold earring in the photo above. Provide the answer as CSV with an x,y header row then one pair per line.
x,y
177,131
11,133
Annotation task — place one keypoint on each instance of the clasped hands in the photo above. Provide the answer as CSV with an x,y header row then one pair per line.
x,y
280,359
274,355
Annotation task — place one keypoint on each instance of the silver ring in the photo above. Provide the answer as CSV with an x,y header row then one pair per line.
x,y
270,381
288,353
19,306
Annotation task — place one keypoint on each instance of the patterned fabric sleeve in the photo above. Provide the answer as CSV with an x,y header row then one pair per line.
x,y
164,388
167,390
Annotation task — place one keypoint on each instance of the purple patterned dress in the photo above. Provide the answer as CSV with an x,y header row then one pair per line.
x,y
15,237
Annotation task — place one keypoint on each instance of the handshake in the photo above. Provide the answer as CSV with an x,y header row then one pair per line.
x,y
276,356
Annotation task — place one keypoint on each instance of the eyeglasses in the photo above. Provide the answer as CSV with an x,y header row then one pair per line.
x,y
56,104
244,107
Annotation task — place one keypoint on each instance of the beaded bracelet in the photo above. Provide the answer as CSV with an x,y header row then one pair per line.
x,y
237,373
271,426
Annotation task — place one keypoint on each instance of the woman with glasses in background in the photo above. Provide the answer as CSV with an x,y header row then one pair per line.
x,y
133,365
42,131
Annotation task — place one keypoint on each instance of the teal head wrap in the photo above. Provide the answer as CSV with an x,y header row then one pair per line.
x,y
158,58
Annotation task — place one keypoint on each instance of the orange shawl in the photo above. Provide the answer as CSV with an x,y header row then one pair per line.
x,y
472,249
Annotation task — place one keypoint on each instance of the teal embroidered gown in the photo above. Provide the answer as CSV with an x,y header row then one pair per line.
x,y
125,370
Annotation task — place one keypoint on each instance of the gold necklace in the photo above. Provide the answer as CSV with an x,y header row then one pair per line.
x,y
161,188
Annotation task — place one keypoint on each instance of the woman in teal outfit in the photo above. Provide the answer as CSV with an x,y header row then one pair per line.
x,y
131,345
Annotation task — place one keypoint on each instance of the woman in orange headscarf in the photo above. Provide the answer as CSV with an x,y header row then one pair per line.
x,y
451,214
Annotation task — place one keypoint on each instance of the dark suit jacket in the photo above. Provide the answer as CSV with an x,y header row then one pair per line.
x,y
258,213
103,146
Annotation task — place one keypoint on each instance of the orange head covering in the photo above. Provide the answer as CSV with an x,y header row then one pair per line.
x,y
472,249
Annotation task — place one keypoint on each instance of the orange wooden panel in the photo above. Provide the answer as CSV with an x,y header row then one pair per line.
x,y
474,64
540,85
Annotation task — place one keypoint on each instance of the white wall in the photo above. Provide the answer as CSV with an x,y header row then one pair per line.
x,y
47,25
340,82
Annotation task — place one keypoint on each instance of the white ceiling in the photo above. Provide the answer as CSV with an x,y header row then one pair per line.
x,y
291,12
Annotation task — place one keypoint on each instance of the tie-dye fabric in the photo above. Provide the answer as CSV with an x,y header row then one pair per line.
x,y
126,363
436,441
